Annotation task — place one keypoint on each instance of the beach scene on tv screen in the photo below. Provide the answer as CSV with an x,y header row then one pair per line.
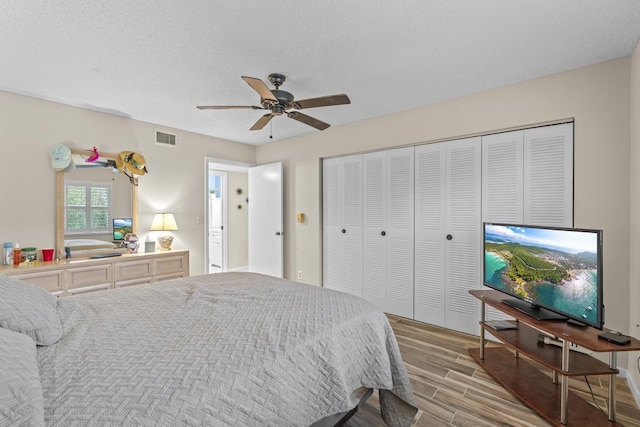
x,y
121,227
554,268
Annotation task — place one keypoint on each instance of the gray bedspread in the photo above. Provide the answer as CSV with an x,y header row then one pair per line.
x,y
230,349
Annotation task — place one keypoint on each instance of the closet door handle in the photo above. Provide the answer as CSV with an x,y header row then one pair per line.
x,y
449,237
383,233
344,231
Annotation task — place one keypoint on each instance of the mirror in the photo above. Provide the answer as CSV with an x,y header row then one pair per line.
x,y
124,205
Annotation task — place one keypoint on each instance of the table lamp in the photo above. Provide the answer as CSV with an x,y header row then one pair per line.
x,y
164,222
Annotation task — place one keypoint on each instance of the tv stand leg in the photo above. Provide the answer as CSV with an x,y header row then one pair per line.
x,y
613,361
564,383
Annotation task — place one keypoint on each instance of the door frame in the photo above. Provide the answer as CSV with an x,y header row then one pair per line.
x,y
221,165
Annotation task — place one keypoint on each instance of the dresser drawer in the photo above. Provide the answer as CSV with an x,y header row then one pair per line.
x,y
130,270
133,282
81,277
51,280
170,266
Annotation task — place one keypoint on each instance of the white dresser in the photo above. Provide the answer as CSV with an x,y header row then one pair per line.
x,y
74,276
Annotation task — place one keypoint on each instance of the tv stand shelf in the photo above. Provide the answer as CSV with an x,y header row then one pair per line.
x,y
524,378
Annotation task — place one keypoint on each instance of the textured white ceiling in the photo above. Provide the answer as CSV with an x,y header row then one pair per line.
x,y
155,60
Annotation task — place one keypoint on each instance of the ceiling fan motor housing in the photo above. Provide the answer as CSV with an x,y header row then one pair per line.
x,y
284,98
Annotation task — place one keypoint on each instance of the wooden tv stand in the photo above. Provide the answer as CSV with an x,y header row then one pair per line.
x,y
527,382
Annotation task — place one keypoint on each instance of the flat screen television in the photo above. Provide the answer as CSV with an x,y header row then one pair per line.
x,y
551,273
121,227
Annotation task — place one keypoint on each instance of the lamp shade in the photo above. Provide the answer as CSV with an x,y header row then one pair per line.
x,y
164,222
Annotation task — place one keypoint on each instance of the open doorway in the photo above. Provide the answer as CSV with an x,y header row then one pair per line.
x,y
227,240
217,220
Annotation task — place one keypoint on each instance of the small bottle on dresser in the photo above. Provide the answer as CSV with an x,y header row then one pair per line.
x,y
8,253
17,254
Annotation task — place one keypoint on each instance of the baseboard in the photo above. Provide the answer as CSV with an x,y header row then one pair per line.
x,y
244,268
635,388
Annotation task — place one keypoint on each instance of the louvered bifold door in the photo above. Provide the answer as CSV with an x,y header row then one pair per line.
x,y
463,234
502,177
548,175
331,224
429,280
342,224
351,231
502,185
374,222
399,232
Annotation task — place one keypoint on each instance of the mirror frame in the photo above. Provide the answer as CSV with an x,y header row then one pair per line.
x,y
60,202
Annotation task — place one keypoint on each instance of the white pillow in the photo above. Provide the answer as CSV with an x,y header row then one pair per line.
x,y
21,401
29,310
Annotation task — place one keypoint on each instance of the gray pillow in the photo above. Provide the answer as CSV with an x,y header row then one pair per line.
x,y
30,310
21,401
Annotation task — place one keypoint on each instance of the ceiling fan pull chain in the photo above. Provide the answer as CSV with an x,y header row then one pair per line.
x,y
270,130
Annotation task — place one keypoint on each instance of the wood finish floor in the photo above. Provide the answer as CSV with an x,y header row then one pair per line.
x,y
451,389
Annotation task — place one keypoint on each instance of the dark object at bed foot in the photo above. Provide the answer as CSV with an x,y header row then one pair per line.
x,y
338,420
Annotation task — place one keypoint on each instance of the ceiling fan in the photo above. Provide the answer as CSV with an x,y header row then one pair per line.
x,y
281,102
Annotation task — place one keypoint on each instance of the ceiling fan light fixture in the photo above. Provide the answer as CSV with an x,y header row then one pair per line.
x,y
279,101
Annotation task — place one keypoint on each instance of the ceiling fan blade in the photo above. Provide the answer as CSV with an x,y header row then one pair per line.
x,y
260,87
323,101
262,121
228,107
308,120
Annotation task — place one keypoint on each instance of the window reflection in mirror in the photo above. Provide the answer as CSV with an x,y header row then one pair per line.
x,y
91,197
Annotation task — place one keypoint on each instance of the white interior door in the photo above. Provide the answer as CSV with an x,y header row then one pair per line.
x,y
265,219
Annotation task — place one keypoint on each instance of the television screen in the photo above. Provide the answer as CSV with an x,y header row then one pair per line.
x,y
557,269
121,227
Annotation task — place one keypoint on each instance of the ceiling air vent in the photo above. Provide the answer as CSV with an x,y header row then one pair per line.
x,y
164,138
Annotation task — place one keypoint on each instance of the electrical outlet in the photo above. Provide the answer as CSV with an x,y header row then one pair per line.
x,y
299,274
198,219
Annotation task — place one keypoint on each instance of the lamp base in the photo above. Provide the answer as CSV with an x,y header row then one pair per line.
x,y
165,242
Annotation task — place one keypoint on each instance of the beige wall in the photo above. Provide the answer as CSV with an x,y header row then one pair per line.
x,y
175,182
634,295
238,222
597,97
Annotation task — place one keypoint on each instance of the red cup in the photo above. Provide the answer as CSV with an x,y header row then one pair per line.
x,y
47,254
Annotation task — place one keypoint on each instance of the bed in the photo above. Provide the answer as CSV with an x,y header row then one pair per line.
x,y
88,247
88,244
228,349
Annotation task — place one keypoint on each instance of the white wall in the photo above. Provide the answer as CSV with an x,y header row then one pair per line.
x,y
597,97
238,223
634,295
175,182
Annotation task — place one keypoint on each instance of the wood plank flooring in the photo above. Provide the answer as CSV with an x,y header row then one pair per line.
x,y
451,389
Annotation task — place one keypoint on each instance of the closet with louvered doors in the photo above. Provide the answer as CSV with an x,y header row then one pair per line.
x,y
421,264
527,178
342,224
447,233
388,230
